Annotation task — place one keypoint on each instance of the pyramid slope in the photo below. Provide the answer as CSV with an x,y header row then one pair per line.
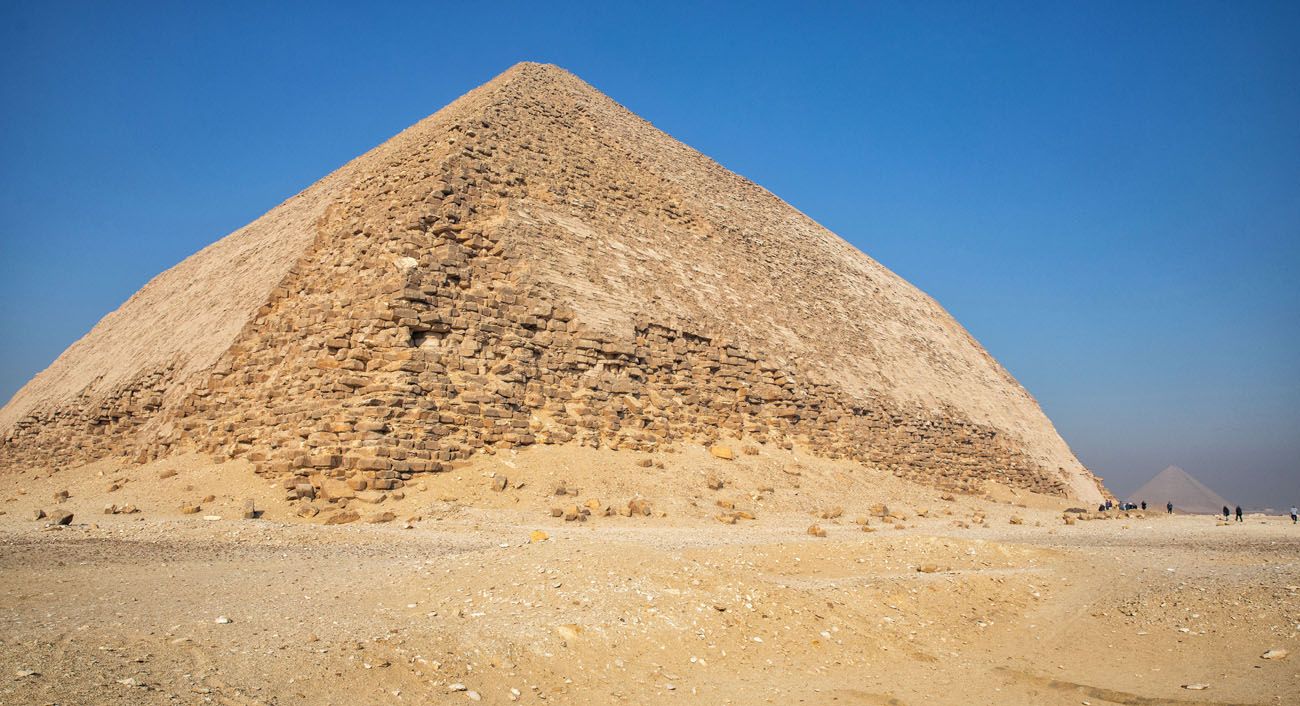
x,y
536,227
1175,485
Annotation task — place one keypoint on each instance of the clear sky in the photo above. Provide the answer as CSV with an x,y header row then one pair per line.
x,y
1106,194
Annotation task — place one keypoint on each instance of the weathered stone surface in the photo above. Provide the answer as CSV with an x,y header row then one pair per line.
x,y
531,265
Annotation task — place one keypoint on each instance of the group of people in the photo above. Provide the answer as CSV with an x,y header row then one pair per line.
x,y
1169,508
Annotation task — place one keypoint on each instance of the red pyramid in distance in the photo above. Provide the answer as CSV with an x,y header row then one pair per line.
x,y
1179,487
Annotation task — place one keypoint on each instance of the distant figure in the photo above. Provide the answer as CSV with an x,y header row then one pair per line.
x,y
1144,504
1226,513
1294,511
1101,507
1169,507
1109,505
1239,513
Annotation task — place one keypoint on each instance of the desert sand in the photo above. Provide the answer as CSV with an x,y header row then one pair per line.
x,y
473,594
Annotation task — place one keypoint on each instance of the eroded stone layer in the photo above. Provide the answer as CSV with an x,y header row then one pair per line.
x,y
533,264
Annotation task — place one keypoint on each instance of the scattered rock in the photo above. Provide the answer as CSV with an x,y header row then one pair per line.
x,y
723,452
38,514
189,509
500,483
816,531
343,517
637,506
61,517
223,620
538,536
714,483
1017,520
250,510
1275,653
1196,687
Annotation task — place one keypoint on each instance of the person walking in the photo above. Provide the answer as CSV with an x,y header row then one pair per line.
x,y
1226,513
1144,504
1294,512
1169,507
1239,513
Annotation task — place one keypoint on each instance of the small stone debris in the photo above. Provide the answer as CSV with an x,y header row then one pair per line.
x,y
500,483
928,568
223,620
457,687
120,510
61,517
250,510
191,509
38,514
1016,520
538,536
723,452
816,531
473,695
166,473
1275,653
1196,687
714,483
24,673
343,518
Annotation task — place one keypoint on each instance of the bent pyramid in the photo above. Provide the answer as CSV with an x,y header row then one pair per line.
x,y
534,264
1179,487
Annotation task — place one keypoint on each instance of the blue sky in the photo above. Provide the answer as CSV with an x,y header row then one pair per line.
x,y
1106,194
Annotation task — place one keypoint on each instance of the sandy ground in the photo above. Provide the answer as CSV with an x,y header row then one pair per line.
x,y
466,606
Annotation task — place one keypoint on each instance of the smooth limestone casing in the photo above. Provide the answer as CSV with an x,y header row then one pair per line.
x,y
534,264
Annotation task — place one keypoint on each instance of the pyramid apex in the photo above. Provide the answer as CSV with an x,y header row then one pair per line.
x,y
536,71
